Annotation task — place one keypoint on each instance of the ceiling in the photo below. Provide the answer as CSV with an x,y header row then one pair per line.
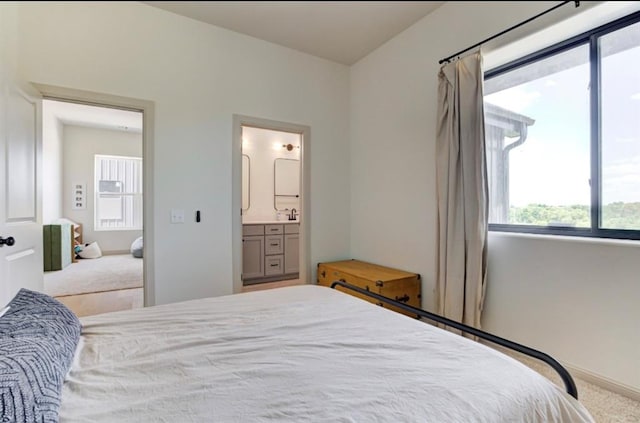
x,y
340,31
93,116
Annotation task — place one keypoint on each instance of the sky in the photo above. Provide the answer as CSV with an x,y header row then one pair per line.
x,y
553,166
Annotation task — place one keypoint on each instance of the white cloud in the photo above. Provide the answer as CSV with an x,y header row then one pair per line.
x,y
626,140
515,99
537,177
621,180
626,166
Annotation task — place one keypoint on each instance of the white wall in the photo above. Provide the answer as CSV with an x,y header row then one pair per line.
x,y
81,144
263,147
198,76
51,166
393,209
576,299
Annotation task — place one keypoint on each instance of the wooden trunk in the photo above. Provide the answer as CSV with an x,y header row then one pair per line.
x,y
391,283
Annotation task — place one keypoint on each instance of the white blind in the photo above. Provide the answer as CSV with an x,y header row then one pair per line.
x,y
118,187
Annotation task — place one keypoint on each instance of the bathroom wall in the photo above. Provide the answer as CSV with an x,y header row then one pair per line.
x,y
263,147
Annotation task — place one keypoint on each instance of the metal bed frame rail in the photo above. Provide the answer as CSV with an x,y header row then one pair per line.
x,y
564,374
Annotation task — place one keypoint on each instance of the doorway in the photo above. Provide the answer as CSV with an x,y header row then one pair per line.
x,y
93,206
271,193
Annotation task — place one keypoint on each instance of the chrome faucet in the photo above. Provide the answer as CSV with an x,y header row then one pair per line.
x,y
293,214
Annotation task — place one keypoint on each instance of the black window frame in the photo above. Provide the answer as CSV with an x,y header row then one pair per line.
x,y
589,38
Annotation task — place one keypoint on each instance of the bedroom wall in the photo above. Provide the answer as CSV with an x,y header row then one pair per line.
x,y
81,144
198,76
571,298
574,298
51,167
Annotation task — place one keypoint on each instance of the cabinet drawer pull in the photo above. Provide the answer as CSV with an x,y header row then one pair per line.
x,y
274,265
323,273
274,229
402,299
274,245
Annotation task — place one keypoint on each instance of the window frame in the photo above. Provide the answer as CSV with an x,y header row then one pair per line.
x,y
96,226
589,38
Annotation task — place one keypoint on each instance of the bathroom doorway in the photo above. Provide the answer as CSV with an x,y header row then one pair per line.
x,y
271,192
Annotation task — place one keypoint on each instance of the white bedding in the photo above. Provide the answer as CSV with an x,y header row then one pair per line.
x,y
296,354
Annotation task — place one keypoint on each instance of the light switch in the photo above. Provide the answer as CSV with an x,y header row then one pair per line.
x,y
177,216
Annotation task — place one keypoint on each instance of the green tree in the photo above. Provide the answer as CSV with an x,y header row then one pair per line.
x,y
616,215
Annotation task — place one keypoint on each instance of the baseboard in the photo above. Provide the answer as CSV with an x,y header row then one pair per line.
x,y
604,382
580,373
115,252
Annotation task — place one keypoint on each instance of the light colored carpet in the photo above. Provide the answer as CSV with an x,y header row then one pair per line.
x,y
605,406
107,273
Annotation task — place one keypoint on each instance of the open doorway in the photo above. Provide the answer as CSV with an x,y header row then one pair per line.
x,y
93,206
271,190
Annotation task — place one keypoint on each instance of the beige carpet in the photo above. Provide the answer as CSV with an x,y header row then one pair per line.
x,y
605,406
107,273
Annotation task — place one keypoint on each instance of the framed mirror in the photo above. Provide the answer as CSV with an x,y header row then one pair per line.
x,y
286,186
246,191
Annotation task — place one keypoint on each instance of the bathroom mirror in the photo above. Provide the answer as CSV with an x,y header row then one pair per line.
x,y
246,171
286,184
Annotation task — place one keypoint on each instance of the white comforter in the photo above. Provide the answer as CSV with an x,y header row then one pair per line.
x,y
298,354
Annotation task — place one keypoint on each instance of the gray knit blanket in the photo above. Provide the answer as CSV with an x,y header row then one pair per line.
x,y
38,339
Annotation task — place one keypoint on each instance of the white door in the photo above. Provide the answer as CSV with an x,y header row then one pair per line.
x,y
21,262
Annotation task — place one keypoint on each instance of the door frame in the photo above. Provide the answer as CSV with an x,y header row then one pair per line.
x,y
236,197
71,95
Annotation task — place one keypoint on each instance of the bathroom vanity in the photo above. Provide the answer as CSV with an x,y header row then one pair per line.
x,y
270,251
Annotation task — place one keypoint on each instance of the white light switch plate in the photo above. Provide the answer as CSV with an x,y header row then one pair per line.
x,y
177,216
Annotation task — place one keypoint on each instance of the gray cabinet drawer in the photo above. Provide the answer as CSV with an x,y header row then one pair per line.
x,y
293,228
273,229
273,244
273,265
252,230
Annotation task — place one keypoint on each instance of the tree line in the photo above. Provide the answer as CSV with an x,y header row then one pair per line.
x,y
616,215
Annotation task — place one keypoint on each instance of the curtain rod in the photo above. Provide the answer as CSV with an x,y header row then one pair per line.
x,y
447,59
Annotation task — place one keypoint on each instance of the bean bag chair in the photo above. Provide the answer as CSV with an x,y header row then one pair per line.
x,y
136,248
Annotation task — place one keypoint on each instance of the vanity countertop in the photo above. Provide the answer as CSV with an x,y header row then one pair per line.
x,y
270,222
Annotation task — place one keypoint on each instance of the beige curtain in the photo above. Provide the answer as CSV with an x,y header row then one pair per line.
x,y
462,191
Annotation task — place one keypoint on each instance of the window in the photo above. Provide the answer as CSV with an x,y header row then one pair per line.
x,y
563,137
118,188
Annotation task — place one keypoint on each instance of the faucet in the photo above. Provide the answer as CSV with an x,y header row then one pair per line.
x,y
293,214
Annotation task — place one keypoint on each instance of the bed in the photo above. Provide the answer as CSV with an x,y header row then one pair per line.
x,y
294,354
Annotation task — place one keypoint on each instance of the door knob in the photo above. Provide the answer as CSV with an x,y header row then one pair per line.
x,y
9,241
